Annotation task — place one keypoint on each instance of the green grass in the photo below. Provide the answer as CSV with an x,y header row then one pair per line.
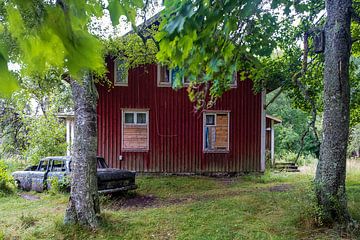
x,y
272,206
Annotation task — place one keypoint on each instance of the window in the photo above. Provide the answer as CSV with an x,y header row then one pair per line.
x,y
163,76
167,76
216,131
210,119
186,81
233,83
121,73
58,166
135,130
43,165
129,118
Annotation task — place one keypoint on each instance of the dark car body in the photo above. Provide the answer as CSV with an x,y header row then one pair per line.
x,y
38,178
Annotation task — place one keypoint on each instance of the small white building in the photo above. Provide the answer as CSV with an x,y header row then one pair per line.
x,y
270,136
69,119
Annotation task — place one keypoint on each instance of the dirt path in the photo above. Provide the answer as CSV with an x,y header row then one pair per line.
x,y
29,196
138,202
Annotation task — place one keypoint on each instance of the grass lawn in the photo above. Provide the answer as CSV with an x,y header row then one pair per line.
x,y
272,206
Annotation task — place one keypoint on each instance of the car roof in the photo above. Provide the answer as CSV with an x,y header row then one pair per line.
x,y
61,158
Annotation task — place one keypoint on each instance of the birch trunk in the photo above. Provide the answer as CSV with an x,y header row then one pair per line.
x,y
331,169
83,206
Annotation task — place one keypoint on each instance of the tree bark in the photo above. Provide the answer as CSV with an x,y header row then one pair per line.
x,y
331,169
83,207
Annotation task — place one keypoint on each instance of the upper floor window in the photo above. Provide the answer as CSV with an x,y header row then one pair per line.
x,y
120,73
233,83
163,76
166,76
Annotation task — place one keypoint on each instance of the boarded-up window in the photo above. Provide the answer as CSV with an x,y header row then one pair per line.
x,y
135,134
121,73
216,131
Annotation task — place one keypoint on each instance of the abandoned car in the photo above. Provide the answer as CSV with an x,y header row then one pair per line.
x,y
39,178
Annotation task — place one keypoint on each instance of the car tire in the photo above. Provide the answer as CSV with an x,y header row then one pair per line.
x,y
18,184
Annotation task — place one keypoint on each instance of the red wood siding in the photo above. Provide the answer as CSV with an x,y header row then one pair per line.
x,y
175,131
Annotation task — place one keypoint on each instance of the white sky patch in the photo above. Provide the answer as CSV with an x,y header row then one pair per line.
x,y
103,27
15,67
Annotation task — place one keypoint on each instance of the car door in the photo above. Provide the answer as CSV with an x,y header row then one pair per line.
x,y
38,176
58,169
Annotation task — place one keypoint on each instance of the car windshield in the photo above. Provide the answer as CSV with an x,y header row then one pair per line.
x,y
101,163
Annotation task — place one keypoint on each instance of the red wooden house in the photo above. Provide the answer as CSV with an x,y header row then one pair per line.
x,y
146,126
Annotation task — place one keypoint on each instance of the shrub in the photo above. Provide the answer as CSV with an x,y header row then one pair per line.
x,y
6,180
59,185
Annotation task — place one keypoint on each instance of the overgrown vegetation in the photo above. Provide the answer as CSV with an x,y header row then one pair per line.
x,y
6,180
290,137
272,206
29,127
59,185
46,137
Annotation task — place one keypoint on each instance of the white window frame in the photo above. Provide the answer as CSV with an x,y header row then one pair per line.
x,y
134,111
135,117
159,82
185,84
208,114
116,83
166,84
235,79
215,112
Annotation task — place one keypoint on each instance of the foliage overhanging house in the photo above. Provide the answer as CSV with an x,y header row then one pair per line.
x,y
146,126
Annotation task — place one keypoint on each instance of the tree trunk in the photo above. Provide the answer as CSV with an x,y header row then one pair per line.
x,y
83,206
331,169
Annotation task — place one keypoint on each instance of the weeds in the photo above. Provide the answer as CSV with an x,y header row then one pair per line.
x,y
6,180
27,221
59,185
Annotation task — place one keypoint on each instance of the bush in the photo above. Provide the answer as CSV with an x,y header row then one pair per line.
x,y
6,180
46,137
59,185
15,164
304,159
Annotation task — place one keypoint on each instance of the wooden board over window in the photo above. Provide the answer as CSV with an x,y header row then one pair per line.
x,y
135,130
216,132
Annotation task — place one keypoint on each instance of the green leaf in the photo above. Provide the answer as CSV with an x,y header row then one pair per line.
x,y
115,11
8,83
176,24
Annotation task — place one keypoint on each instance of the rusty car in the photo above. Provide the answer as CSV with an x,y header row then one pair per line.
x,y
39,177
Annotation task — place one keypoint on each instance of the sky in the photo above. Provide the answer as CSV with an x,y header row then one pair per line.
x,y
108,31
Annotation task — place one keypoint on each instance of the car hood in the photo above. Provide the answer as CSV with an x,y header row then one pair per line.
x,y
114,174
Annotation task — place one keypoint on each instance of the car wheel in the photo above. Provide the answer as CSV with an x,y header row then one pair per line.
x,y
18,184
